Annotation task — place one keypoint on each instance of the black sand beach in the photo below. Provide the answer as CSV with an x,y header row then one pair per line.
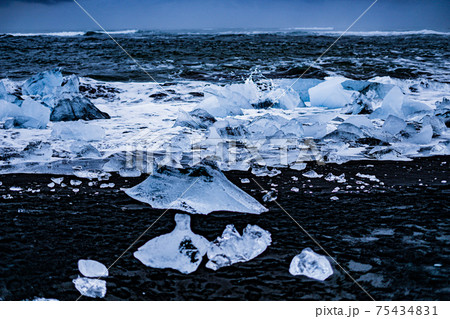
x,y
400,229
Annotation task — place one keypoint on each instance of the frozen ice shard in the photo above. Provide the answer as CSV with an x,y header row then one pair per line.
x,y
181,249
77,131
392,105
330,94
311,265
76,107
201,189
92,268
44,83
394,125
94,288
233,248
196,119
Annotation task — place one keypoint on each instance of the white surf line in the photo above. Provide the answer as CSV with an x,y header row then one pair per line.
x,y
319,245
324,52
145,231
129,55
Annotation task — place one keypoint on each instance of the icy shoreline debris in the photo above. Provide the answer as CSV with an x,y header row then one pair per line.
x,y
233,248
181,249
92,268
201,189
310,264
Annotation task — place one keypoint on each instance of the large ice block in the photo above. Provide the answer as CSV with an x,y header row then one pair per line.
x,y
201,189
181,249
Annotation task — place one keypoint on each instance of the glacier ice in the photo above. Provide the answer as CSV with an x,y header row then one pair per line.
x,y
62,96
201,189
330,94
75,107
196,119
77,131
233,248
181,249
92,268
89,287
31,114
392,105
44,83
393,125
424,136
310,264
312,174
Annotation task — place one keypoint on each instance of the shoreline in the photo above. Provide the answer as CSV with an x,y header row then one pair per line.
x,y
398,228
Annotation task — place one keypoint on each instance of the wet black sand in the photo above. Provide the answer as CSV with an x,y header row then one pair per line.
x,y
400,229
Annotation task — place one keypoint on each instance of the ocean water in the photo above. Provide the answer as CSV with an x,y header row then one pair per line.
x,y
227,56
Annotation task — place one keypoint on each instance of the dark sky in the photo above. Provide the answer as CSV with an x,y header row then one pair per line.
x,y
65,15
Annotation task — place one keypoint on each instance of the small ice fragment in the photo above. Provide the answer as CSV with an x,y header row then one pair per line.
x,y
90,184
335,190
75,182
298,166
270,197
443,182
128,172
44,299
245,181
371,178
92,268
94,288
76,190
312,174
107,185
295,189
51,185
15,189
311,265
334,198
181,249
233,248
295,178
1,183
264,171
333,178
437,265
57,180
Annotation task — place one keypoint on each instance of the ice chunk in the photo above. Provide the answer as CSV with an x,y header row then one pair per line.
x,y
394,125
181,249
330,94
297,167
361,105
410,107
392,105
36,111
44,83
424,136
92,268
312,174
76,107
8,109
77,131
196,119
71,84
302,86
311,265
94,288
270,197
443,110
233,248
201,189
333,178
